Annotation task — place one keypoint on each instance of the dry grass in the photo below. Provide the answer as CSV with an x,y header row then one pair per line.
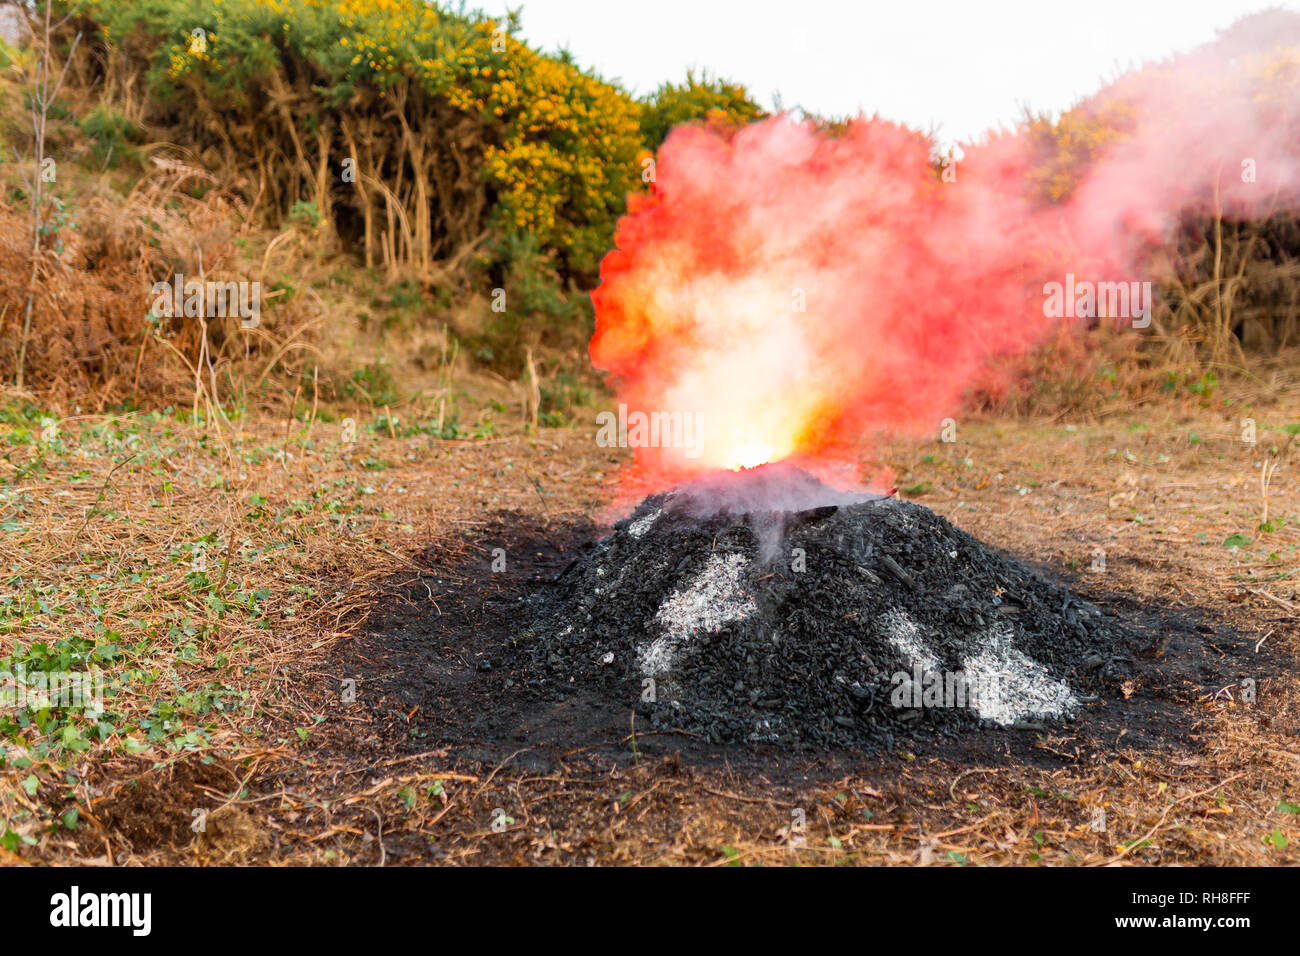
x,y
1231,291
94,344
304,533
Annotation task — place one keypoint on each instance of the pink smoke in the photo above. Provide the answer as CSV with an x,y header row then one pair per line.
x,y
799,292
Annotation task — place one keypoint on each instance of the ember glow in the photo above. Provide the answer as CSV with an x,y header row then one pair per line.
x,y
749,456
802,293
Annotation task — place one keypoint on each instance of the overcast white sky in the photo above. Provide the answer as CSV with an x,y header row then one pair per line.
x,y
961,66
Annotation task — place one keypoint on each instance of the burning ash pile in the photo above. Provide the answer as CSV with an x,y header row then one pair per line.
x,y
766,607
793,292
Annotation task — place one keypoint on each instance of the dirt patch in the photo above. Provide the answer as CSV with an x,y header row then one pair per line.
x,y
156,808
454,659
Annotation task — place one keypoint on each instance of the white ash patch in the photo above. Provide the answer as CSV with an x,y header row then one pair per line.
x,y
643,524
713,598
902,632
1012,686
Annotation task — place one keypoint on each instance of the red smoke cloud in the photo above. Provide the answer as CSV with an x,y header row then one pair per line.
x,y
801,292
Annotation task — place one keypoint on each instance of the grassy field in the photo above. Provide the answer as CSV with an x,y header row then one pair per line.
x,y
215,571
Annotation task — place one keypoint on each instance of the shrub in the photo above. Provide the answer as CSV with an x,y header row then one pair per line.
x,y
113,135
538,309
697,100
446,118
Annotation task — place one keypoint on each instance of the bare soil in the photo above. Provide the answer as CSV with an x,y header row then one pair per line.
x,y
444,757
